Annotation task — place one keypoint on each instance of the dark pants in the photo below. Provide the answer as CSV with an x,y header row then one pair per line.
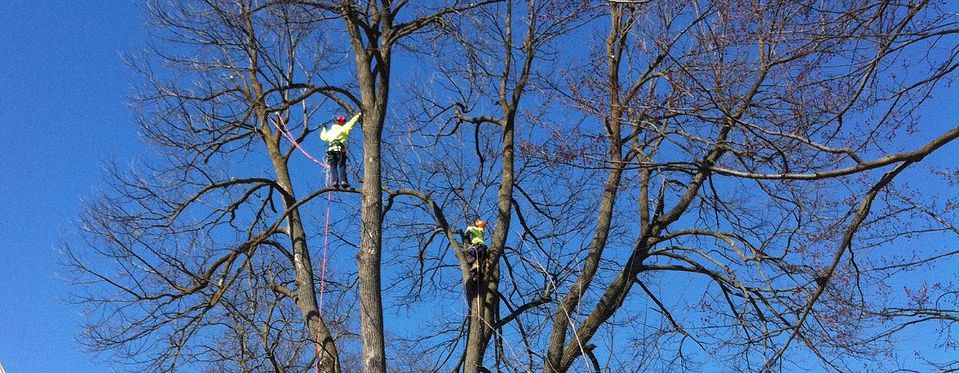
x,y
477,258
477,251
337,161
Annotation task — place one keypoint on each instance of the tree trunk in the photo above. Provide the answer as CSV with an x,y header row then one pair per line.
x,y
483,307
371,240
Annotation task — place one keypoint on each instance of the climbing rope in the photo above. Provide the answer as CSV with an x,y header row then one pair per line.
x,y
326,244
296,144
326,240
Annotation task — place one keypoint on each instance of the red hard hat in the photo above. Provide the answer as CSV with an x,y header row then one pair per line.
x,y
340,119
480,223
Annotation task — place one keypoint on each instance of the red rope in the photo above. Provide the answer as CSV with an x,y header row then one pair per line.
x,y
326,244
296,144
326,241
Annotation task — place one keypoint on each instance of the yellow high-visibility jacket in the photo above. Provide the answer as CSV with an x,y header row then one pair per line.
x,y
337,135
476,235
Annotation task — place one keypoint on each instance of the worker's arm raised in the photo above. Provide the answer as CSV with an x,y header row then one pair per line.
x,y
349,125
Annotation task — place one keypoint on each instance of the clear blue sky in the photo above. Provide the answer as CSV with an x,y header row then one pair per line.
x,y
62,114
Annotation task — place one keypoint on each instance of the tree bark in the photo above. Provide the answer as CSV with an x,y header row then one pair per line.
x,y
484,303
306,302
370,255
372,66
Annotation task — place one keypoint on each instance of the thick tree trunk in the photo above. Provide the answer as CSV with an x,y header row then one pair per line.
x,y
327,359
371,240
374,94
372,41
372,75
483,307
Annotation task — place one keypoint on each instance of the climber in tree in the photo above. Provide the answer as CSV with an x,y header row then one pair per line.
x,y
475,242
337,136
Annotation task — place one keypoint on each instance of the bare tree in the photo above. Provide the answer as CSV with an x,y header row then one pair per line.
x,y
718,94
670,183
492,58
210,240
243,61
747,134
374,29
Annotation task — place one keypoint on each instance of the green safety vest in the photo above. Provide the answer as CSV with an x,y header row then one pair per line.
x,y
475,235
337,135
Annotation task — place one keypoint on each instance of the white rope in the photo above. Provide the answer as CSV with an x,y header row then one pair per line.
x,y
572,323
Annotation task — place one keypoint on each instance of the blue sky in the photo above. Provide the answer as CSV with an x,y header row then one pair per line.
x,y
62,114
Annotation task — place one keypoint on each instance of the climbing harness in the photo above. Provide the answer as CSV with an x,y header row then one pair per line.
x,y
337,145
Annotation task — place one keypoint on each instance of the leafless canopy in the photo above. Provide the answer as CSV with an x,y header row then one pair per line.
x,y
671,185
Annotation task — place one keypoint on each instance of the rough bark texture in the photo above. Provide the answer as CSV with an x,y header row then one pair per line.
x,y
484,303
371,212
370,257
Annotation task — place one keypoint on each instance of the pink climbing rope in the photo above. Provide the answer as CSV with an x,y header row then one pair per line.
x,y
326,244
326,229
292,139
326,241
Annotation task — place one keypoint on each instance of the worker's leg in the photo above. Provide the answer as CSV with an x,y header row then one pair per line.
x,y
473,262
481,258
470,253
481,250
332,159
343,180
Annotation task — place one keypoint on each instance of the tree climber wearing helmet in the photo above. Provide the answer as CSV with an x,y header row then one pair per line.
x,y
475,241
337,136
